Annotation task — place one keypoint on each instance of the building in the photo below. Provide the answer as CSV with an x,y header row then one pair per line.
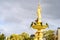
x,y
58,33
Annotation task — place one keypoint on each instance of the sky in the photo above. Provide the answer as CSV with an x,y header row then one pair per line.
x,y
17,15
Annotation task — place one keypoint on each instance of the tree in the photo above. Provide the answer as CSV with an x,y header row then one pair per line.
x,y
2,36
25,36
14,37
49,35
22,36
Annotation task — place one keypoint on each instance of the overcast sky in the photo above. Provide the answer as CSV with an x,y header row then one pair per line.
x,y
17,15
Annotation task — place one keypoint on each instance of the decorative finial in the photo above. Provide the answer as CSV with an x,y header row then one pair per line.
x,y
39,11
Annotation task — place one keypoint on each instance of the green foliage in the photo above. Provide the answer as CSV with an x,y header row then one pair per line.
x,y
25,36
22,36
2,37
49,35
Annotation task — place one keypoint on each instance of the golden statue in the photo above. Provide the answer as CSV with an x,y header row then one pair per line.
x,y
38,25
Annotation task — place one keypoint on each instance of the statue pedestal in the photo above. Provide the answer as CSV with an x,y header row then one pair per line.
x,y
38,35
